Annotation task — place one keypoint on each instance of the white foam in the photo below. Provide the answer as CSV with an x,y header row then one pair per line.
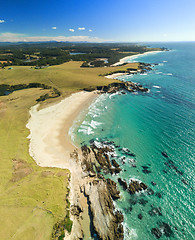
x,y
158,72
130,233
143,74
165,61
156,86
94,124
112,95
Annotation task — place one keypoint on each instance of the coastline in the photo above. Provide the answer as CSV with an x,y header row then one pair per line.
x,y
50,146
123,60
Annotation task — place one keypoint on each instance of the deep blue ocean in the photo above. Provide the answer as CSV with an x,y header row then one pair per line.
x,y
162,120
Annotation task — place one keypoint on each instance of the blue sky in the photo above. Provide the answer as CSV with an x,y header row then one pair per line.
x,y
97,20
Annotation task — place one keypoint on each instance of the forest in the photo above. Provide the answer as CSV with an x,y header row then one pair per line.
x,y
55,53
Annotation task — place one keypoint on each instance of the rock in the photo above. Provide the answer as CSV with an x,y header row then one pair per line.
x,y
166,229
146,171
136,186
150,191
123,183
153,183
156,232
105,220
142,201
164,154
76,210
115,164
184,181
143,186
155,211
85,150
145,167
112,188
140,216
159,195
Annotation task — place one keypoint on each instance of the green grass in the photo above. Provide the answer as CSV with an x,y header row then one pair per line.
x,y
34,199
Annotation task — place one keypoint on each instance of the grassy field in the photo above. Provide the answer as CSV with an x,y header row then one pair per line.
x,y
34,199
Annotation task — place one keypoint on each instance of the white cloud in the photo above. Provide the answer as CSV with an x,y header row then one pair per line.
x,y
17,37
71,30
81,28
54,28
90,30
2,21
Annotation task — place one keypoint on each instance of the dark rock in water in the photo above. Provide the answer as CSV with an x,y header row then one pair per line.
x,y
131,154
143,186
159,195
146,171
128,210
133,165
153,183
150,191
166,229
156,232
142,201
125,150
122,159
117,170
164,171
136,186
115,164
167,164
179,172
174,167
123,183
184,181
164,154
171,162
144,167
140,216
155,212
112,188
117,146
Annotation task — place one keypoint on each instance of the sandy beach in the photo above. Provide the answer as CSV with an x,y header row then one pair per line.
x,y
50,143
123,60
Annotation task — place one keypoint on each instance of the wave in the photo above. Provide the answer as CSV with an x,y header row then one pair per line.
x,y
155,86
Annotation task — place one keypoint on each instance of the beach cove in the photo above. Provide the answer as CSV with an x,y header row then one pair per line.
x,y
51,146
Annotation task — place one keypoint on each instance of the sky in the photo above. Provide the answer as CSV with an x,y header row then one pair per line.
x,y
97,20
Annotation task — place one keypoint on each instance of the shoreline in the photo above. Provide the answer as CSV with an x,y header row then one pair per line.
x,y
123,60
50,146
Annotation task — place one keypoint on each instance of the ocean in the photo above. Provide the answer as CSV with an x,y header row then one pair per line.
x,y
148,124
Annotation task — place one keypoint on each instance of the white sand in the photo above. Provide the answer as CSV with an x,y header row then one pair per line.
x,y
50,144
124,60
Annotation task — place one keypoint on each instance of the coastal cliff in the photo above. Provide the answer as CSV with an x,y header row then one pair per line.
x,y
106,222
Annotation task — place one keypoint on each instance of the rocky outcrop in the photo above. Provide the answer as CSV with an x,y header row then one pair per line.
x,y
100,192
106,222
123,183
136,186
115,87
112,188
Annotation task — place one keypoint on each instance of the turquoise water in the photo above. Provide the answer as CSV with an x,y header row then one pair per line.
x,y
147,124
